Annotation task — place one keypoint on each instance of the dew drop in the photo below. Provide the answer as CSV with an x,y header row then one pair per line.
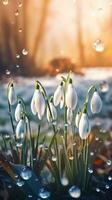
x,y
90,170
64,181
20,30
109,178
5,2
24,52
108,162
17,66
74,192
54,158
91,153
71,157
20,183
30,196
17,56
20,4
44,194
107,187
7,72
104,87
98,46
16,13
26,174
97,190
9,186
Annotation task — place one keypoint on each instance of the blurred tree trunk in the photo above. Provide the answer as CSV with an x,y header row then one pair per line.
x,y
40,31
80,46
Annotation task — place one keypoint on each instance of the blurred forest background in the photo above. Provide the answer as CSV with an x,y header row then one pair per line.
x,y
40,37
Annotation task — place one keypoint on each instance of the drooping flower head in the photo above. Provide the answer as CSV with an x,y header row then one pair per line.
x,y
70,96
19,111
38,102
58,97
96,103
11,94
84,125
20,129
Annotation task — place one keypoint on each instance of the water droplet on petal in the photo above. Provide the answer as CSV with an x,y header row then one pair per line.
x,y
26,174
5,2
44,194
74,192
104,87
98,46
20,183
24,52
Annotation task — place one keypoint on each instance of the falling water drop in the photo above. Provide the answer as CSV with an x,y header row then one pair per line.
x,y
44,194
104,87
20,183
26,174
98,46
24,52
74,192
5,2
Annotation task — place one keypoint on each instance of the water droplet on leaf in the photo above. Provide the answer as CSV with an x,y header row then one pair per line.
x,y
104,87
26,174
24,52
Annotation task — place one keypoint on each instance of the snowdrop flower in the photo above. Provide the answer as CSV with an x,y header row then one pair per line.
x,y
53,112
11,94
39,103
20,129
71,96
84,126
77,119
96,103
59,95
33,108
69,115
19,111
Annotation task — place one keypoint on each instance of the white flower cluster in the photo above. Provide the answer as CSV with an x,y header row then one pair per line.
x,y
64,95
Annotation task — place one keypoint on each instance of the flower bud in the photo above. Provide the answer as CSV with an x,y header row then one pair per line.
x,y
84,126
58,95
19,111
20,129
96,103
11,94
71,96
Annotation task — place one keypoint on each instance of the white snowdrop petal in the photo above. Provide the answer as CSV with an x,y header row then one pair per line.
x,y
57,95
96,103
11,95
69,115
33,109
84,126
77,119
71,97
62,102
39,103
20,129
18,112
